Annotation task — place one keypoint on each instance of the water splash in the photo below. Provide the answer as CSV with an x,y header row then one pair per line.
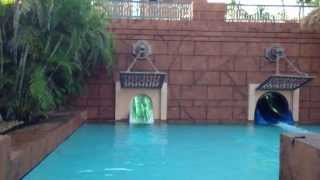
x,y
291,128
118,169
86,171
141,110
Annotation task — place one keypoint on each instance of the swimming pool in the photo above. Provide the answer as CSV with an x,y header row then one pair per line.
x,y
165,152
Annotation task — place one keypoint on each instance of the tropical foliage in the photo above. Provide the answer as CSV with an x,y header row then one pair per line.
x,y
47,49
237,11
312,21
310,2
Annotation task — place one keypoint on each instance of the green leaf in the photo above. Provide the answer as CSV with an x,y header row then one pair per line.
x,y
39,90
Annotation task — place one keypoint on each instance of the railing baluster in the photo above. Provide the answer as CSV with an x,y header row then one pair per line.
x,y
149,10
267,13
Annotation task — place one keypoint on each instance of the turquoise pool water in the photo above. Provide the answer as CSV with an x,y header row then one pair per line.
x,y
165,152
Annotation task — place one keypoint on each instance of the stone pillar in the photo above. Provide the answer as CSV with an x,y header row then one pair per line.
x,y
164,102
300,157
205,11
5,145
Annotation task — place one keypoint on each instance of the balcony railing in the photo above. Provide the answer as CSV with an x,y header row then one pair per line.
x,y
267,13
124,9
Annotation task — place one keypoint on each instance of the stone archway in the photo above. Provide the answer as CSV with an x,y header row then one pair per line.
x,y
125,95
291,96
141,110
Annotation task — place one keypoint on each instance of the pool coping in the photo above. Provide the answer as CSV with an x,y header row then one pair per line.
x,y
16,163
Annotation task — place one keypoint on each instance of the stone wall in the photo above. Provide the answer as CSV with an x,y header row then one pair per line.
x,y
209,63
299,157
16,162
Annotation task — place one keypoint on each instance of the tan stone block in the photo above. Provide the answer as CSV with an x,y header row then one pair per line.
x,y
309,50
207,78
247,63
168,62
196,63
240,114
221,63
233,78
208,48
174,92
234,49
194,92
193,113
257,77
181,47
159,47
220,92
174,113
220,113
304,115
181,77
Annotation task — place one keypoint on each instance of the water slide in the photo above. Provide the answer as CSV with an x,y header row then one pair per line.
x,y
273,108
141,110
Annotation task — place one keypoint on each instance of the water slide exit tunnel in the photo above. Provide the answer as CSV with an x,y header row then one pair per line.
x,y
271,108
141,110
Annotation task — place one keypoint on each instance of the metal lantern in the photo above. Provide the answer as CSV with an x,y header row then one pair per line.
x,y
279,81
142,51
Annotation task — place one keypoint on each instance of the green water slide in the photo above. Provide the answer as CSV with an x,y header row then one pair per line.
x,y
141,110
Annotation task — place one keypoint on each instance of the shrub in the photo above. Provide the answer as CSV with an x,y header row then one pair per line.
x,y
47,49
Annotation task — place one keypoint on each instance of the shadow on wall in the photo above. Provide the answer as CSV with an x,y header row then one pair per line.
x,y
273,107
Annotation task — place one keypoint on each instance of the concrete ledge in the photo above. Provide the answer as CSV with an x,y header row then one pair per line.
x,y
300,157
14,164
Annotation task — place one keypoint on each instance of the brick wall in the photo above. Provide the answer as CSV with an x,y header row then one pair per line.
x,y
210,64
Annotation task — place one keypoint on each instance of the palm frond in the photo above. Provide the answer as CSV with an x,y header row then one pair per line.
x,y
40,91
312,21
47,49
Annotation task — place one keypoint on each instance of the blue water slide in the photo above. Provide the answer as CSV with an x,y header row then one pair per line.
x,y
267,119
273,108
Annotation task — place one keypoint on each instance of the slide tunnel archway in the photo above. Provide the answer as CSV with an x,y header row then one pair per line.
x,y
272,107
141,110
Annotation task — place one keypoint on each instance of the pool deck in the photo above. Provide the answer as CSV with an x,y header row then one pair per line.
x,y
23,149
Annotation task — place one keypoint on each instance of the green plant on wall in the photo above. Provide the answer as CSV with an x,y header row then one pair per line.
x,y
47,49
